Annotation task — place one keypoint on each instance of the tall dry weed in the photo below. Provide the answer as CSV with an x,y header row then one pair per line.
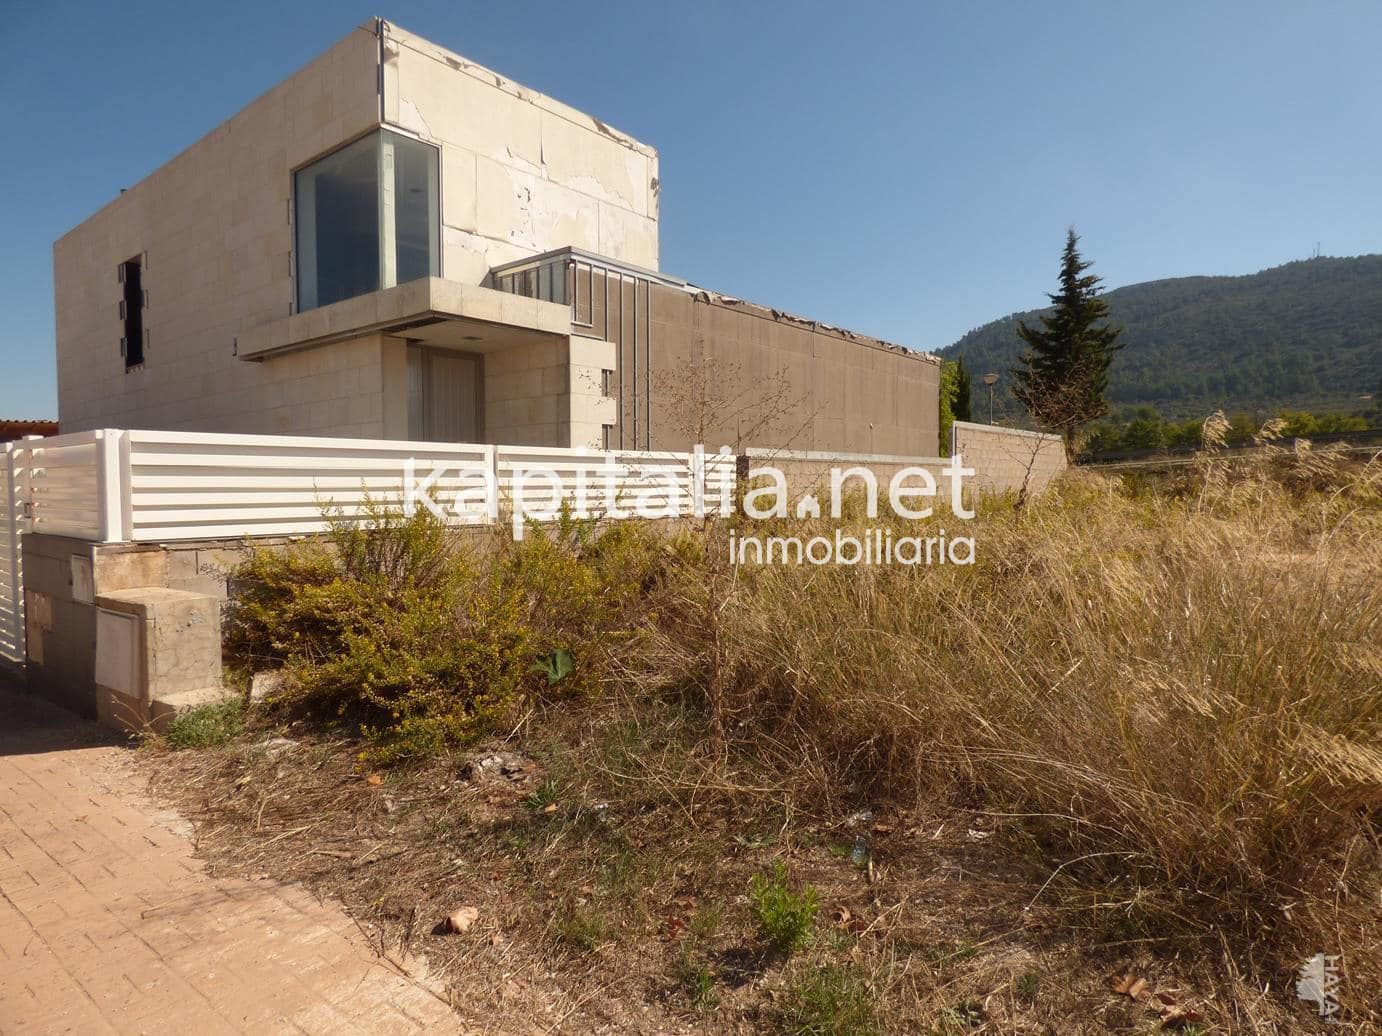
x,y
1177,695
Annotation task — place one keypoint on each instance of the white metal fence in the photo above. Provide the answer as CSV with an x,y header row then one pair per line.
x,y
64,482
13,480
148,486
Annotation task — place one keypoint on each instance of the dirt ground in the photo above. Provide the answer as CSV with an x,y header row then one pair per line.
x,y
602,886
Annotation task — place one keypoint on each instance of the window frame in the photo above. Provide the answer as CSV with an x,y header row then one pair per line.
x,y
434,202
133,323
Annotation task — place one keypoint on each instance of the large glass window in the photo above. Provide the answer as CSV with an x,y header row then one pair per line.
x,y
367,218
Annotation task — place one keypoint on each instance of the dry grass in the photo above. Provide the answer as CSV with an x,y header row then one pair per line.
x,y
1140,734
1175,697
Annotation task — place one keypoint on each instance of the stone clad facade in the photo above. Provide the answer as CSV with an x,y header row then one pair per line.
x,y
182,303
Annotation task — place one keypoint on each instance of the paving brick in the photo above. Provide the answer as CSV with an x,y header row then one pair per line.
x,y
109,924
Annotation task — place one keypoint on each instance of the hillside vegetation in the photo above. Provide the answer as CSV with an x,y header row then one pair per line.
x,y
1306,335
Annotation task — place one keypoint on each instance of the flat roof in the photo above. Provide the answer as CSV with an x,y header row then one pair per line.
x,y
705,295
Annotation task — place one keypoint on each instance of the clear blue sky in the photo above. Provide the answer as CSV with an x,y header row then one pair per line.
x,y
905,169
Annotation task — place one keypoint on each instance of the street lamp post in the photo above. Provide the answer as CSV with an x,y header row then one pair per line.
x,y
990,380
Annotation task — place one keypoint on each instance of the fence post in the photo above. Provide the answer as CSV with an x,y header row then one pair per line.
x,y
492,490
24,483
112,485
126,495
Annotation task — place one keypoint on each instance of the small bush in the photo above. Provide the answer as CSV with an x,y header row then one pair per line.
x,y
395,550
546,794
581,598
1027,985
419,670
206,726
697,981
830,1000
584,927
784,916
390,624
271,615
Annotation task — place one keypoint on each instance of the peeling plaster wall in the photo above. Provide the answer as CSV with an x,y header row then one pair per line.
x,y
214,227
521,173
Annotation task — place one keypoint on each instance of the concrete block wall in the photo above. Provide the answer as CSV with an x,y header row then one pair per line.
x,y
548,393
356,388
811,472
214,228
1006,458
108,638
589,410
521,173
523,392
833,390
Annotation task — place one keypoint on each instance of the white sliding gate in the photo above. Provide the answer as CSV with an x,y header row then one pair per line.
x,y
13,474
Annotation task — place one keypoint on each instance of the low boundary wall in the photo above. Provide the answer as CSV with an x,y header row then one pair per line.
x,y
1006,459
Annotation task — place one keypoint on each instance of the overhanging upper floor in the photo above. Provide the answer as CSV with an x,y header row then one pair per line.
x,y
430,311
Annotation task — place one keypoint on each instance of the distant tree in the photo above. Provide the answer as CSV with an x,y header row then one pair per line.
x,y
1241,428
948,400
1145,431
1063,375
1298,423
1187,435
1302,424
963,390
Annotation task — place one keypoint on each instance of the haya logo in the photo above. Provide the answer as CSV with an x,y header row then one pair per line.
x,y
1318,982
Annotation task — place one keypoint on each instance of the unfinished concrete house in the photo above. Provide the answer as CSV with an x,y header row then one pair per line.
x,y
396,243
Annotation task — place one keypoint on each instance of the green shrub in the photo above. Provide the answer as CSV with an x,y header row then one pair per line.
x,y
397,550
384,625
1027,985
581,593
830,1000
271,616
206,726
783,915
390,624
548,792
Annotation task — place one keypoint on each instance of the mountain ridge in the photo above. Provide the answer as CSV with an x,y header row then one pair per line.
x,y
1303,335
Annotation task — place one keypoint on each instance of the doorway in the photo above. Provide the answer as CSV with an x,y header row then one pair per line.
x,y
445,395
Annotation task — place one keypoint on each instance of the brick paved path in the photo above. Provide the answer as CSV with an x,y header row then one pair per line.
x,y
108,924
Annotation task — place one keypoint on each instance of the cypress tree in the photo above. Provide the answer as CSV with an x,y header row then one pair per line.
x,y
1064,371
963,388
